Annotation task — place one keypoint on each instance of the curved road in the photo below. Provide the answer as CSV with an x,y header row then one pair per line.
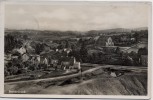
x,y
96,67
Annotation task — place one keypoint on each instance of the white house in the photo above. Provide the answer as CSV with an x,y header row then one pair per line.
x,y
22,50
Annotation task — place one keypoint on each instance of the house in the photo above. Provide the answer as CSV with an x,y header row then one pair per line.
x,y
96,38
77,66
132,39
109,42
35,59
25,57
46,47
105,41
7,57
29,49
67,61
67,50
45,61
38,58
70,63
22,50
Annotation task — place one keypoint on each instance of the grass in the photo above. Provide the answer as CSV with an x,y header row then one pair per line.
x,y
125,85
101,84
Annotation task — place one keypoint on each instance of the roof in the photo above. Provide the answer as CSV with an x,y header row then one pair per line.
x,y
95,51
15,52
46,54
96,38
66,59
102,40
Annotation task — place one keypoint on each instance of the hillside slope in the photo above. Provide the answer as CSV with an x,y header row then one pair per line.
x,y
127,85
130,84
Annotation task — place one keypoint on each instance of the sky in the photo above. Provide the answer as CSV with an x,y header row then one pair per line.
x,y
76,16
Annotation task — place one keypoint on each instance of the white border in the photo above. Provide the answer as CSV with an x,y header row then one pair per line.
x,y
2,4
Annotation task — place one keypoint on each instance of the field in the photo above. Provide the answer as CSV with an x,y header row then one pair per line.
x,y
40,74
94,81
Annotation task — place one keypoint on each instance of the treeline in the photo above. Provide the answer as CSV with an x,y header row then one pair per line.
x,y
139,35
11,42
43,33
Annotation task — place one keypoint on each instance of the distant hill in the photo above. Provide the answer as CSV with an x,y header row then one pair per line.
x,y
114,31
139,29
70,33
108,31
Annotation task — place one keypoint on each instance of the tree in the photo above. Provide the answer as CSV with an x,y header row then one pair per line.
x,y
83,52
134,57
25,37
60,46
142,51
136,36
39,48
117,50
67,45
73,46
11,42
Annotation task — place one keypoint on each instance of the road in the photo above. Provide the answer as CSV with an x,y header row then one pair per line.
x,y
95,67
115,66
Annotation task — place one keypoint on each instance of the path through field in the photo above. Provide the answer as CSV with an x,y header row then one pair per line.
x,y
95,67
132,83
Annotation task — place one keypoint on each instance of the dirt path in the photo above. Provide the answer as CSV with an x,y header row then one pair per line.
x,y
102,84
96,67
58,78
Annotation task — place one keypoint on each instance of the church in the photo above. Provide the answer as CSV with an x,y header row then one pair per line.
x,y
105,41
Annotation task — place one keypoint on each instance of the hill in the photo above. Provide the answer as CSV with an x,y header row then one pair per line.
x,y
116,31
130,84
139,29
54,34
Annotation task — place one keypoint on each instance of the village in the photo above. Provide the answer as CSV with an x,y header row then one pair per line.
x,y
66,56
76,49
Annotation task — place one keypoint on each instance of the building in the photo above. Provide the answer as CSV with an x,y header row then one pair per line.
x,y
105,41
70,63
25,57
22,50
